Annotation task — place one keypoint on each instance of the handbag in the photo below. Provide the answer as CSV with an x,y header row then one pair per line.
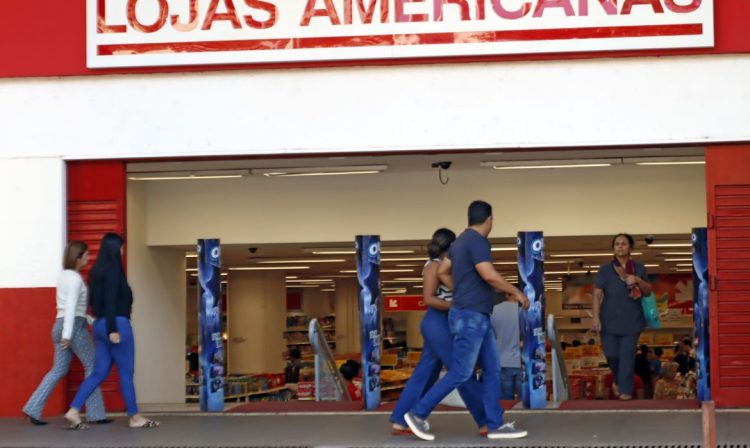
x,y
650,311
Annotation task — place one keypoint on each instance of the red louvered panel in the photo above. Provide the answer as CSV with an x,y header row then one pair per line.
x,y
728,197
96,205
734,318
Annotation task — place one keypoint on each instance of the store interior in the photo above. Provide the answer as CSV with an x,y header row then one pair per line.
x,y
288,252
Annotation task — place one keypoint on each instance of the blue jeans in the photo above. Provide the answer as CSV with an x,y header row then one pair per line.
x,y
510,382
436,353
473,340
620,352
122,354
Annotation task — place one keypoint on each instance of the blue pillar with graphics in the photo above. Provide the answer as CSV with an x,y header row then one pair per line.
x,y
533,353
209,323
700,311
368,274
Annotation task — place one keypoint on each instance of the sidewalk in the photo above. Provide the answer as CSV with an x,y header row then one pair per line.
x,y
547,429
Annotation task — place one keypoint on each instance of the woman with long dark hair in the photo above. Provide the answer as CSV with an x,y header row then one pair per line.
x,y
69,337
112,301
438,342
618,312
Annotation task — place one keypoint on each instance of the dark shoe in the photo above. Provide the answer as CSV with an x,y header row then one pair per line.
x,y
104,421
418,426
507,431
34,421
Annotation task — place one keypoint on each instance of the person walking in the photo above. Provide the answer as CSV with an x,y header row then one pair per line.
x,y
505,323
618,314
437,351
112,301
470,271
69,337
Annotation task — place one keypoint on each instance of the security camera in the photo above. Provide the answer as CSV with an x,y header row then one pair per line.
x,y
650,239
252,250
442,165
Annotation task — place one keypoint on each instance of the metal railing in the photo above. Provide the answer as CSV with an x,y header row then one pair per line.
x,y
329,384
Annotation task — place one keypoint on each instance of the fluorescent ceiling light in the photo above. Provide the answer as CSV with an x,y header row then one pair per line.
x,y
189,175
504,249
678,259
550,164
568,272
671,245
349,271
352,252
330,260
322,280
408,265
504,263
402,281
682,270
598,254
301,286
191,255
654,265
291,277
269,268
677,253
414,279
397,270
684,265
404,259
321,171
645,161
328,290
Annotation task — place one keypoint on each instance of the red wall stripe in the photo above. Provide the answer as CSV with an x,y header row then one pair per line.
x,y
26,348
48,38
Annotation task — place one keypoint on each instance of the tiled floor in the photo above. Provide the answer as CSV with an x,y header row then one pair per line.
x,y
547,429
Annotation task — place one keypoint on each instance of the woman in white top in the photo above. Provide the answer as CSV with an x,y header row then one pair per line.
x,y
69,336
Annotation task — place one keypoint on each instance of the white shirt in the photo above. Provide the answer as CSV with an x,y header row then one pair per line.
x,y
72,300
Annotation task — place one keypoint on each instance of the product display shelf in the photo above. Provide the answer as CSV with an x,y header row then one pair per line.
x,y
296,332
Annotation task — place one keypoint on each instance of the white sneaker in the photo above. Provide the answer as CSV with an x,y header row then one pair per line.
x,y
418,426
507,431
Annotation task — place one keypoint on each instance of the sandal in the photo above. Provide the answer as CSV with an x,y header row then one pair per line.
x,y
149,424
400,430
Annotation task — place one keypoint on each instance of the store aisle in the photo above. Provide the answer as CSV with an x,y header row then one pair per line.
x,y
547,429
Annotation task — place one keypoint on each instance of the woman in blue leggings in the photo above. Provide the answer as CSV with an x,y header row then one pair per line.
x,y
112,301
437,342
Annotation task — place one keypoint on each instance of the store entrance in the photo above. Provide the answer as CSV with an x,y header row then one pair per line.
x,y
281,222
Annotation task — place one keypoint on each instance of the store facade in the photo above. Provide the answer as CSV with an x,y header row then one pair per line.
x,y
68,131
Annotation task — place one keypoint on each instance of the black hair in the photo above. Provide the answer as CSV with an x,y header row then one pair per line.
x,y
688,342
441,241
349,369
108,263
479,211
628,236
658,352
644,349
576,343
294,353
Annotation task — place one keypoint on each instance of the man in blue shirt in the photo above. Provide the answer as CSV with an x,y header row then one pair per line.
x,y
469,270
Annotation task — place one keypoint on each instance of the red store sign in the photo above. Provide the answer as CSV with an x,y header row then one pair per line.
x,y
404,303
132,33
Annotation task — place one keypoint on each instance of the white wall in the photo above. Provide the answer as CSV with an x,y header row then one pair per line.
x,y
408,205
157,277
32,220
458,106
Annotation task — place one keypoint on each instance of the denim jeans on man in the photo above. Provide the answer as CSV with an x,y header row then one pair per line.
x,y
510,383
473,340
436,353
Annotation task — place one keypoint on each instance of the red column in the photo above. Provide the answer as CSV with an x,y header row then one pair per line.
x,y
728,195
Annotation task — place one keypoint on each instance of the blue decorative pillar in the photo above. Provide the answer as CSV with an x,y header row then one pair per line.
x,y
700,311
209,322
368,274
533,353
